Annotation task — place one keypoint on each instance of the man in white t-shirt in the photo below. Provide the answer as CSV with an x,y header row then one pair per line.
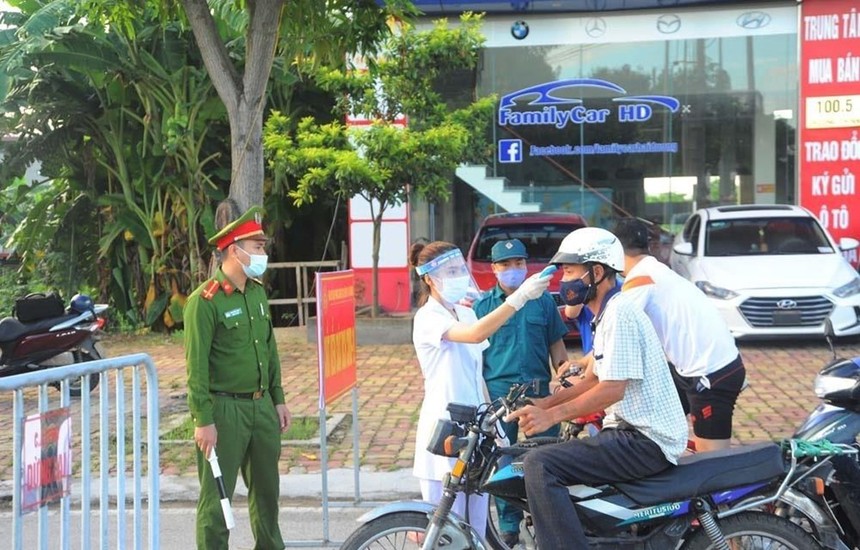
x,y
644,431
708,369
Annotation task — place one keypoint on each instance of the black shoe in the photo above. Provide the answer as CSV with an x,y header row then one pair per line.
x,y
510,539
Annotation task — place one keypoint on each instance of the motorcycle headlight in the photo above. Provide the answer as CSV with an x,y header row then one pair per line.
x,y
827,385
853,287
714,291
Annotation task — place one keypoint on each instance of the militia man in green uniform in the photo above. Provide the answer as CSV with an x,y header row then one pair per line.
x,y
234,385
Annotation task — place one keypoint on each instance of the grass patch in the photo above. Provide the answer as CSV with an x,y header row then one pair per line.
x,y
301,428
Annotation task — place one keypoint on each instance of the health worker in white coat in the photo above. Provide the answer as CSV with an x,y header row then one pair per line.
x,y
448,341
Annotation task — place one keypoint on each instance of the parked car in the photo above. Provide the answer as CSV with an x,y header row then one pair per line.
x,y
771,270
541,232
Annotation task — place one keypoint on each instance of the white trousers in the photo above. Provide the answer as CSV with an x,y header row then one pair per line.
x,y
431,491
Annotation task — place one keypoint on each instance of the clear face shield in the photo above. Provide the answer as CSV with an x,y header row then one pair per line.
x,y
451,277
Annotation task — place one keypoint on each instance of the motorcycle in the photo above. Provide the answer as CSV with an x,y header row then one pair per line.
x,y
55,341
695,505
829,508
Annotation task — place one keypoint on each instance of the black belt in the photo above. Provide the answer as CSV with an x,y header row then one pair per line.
x,y
252,395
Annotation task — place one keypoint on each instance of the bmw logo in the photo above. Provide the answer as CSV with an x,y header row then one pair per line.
x,y
520,30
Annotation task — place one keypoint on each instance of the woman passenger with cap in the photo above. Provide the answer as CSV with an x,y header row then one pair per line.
x,y
449,341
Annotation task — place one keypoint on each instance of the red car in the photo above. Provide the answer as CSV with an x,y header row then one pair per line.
x,y
541,232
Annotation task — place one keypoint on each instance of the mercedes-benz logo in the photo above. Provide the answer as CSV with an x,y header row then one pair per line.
x,y
786,303
595,27
753,20
668,23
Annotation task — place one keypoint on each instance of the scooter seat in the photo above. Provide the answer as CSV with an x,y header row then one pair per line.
x,y
708,472
12,329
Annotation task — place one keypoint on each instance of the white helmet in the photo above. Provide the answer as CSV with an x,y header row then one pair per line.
x,y
591,245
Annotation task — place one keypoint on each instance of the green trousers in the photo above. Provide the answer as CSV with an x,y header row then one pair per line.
x,y
249,439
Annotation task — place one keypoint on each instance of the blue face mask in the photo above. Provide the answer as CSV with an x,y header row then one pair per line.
x,y
576,292
512,278
257,266
455,289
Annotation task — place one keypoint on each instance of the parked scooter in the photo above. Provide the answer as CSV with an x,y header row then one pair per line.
x,y
58,340
830,507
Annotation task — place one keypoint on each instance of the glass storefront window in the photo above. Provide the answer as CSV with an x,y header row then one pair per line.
x,y
603,138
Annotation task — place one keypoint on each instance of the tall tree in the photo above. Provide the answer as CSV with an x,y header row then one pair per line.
x,y
323,32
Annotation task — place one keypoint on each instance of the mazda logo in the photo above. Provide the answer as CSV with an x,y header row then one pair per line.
x,y
668,23
786,303
596,27
753,20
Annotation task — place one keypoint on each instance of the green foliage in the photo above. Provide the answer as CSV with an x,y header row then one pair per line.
x,y
667,197
112,97
121,123
12,285
385,163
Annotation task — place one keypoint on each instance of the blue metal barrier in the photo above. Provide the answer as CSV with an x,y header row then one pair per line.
x,y
41,380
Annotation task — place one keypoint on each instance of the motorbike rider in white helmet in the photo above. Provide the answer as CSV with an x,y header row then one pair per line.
x,y
645,430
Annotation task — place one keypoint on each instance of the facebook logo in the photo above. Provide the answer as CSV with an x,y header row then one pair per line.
x,y
510,150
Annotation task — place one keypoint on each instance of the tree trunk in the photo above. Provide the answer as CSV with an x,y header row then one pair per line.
x,y
246,148
377,231
243,95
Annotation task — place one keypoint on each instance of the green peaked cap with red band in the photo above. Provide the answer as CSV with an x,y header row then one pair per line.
x,y
247,226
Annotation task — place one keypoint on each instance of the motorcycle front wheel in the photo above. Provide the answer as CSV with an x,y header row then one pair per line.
x,y
400,530
756,530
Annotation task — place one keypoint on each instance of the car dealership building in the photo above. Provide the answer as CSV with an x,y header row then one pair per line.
x,y
654,108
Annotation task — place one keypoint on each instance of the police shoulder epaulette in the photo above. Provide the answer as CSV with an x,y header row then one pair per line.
x,y
210,290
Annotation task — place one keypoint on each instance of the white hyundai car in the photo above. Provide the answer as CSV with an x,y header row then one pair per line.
x,y
771,270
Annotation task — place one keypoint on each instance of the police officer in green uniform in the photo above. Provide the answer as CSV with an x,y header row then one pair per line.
x,y
520,351
234,385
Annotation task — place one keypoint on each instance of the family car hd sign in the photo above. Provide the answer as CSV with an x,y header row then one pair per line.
x,y
561,111
545,105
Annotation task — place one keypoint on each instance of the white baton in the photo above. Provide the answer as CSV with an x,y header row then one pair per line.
x,y
219,481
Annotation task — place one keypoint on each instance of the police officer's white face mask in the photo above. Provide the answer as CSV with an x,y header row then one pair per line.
x,y
257,265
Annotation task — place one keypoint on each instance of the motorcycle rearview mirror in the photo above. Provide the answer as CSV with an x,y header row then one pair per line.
x,y
828,336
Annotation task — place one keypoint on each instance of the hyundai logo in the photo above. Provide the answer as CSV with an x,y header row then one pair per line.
x,y
753,20
786,303
596,27
668,23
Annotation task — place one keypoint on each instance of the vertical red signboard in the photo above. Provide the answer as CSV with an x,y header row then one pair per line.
x,y
47,458
830,115
335,334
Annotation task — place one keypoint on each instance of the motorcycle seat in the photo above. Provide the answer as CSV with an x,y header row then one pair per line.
x,y
12,329
709,472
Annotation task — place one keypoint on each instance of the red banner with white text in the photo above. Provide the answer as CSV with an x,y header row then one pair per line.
x,y
335,334
830,115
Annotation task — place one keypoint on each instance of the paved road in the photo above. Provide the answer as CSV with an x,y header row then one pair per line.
x,y
301,526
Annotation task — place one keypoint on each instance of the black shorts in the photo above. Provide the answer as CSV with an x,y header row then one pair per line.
x,y
712,408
